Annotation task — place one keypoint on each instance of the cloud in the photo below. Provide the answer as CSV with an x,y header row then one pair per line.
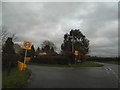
x,y
51,20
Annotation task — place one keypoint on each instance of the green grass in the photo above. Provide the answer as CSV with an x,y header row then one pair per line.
x,y
16,79
83,64
113,62
86,64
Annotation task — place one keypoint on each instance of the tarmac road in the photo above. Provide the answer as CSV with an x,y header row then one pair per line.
x,y
0,70
66,77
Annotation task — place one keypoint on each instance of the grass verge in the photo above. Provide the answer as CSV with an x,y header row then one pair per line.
x,y
83,64
16,79
113,62
86,64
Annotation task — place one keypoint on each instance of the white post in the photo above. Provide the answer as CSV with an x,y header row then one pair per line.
x,y
25,55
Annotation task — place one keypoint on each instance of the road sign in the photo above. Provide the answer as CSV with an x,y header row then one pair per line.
x,y
76,52
28,58
27,45
21,66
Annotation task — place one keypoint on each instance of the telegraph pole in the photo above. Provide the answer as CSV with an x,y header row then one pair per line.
x,y
72,43
73,46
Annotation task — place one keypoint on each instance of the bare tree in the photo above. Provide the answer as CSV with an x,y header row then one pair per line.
x,y
48,45
14,37
5,34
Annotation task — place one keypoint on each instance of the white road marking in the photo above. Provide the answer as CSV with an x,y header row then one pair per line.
x,y
109,68
115,74
106,68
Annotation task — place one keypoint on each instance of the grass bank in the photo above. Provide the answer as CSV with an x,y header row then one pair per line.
x,y
16,79
83,64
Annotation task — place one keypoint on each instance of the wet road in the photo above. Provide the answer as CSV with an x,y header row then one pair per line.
x,y
0,70
65,77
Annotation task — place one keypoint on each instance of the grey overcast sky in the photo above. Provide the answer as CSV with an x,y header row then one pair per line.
x,y
39,21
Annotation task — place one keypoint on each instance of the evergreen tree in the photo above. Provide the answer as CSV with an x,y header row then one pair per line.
x,y
31,52
38,49
9,46
8,60
75,40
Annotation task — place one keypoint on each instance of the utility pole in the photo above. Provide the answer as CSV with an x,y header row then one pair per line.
x,y
73,46
72,43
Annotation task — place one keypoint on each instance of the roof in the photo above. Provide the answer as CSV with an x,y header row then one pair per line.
x,y
48,52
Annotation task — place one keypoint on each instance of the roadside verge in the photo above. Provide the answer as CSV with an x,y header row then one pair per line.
x,y
16,79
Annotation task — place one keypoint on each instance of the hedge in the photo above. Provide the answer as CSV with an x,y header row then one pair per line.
x,y
103,59
52,60
10,60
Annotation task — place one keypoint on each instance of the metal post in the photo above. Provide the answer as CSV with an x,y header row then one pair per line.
x,y
25,55
75,59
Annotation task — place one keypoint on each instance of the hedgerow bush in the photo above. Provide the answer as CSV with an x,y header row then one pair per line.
x,y
51,60
103,59
10,60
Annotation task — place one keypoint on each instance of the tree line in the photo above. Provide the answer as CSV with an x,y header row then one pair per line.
x,y
73,40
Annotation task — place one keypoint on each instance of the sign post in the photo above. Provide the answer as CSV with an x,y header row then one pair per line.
x,y
25,56
27,45
76,54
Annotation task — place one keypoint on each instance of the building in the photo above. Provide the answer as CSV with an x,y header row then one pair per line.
x,y
45,52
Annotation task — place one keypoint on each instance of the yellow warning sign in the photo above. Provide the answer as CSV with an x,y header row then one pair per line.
x,y
27,45
76,52
28,58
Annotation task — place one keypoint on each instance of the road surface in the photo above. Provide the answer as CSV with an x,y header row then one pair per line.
x,y
0,70
66,77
